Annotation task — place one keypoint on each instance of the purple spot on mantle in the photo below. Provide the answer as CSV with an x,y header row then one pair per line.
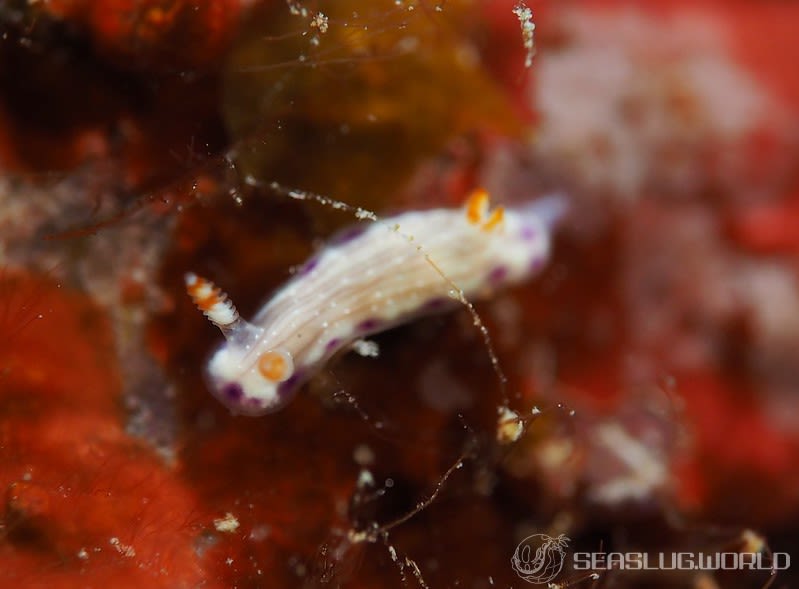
x,y
309,266
529,233
536,263
368,325
497,275
348,234
232,392
436,304
333,344
287,388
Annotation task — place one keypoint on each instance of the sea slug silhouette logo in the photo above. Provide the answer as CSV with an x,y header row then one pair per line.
x,y
539,558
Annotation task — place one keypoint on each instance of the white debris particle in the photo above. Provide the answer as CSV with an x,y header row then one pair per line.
x,y
510,426
228,561
124,549
365,479
227,524
82,554
752,542
525,16
364,214
646,469
320,22
296,8
366,348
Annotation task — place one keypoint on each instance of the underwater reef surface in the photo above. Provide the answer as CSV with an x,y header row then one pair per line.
x,y
654,362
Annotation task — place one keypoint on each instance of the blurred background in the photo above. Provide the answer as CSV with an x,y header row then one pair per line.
x,y
656,359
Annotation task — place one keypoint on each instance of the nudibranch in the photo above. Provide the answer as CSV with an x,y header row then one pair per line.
x,y
369,278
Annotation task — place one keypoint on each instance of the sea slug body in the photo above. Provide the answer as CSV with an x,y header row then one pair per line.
x,y
372,277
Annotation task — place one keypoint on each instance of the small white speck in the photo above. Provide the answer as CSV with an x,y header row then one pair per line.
x,y
366,348
124,549
296,8
365,479
510,426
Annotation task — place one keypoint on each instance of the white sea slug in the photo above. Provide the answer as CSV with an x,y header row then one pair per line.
x,y
372,277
